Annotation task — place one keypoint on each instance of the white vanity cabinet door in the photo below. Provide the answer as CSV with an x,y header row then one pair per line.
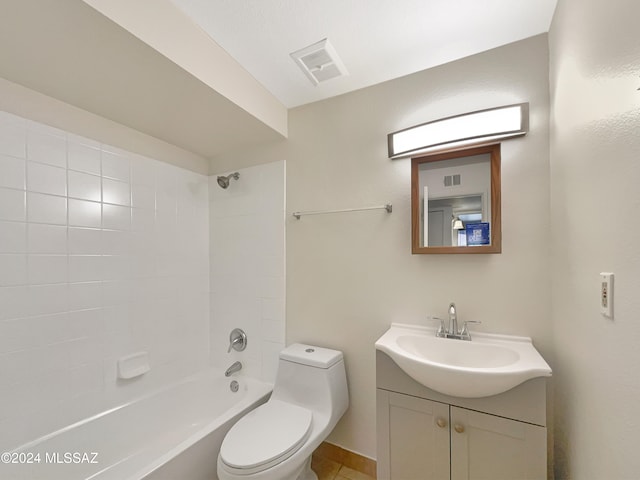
x,y
415,436
486,447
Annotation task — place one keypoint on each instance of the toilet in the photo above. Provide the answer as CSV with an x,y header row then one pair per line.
x,y
275,441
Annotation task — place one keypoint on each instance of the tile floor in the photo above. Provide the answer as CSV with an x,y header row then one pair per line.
x,y
330,470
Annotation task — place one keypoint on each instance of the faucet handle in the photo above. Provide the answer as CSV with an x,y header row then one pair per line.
x,y
237,340
465,329
442,330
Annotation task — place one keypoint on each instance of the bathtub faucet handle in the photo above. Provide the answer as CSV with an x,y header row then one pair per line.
x,y
237,340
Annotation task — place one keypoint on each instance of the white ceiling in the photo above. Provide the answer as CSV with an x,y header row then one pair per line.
x,y
377,40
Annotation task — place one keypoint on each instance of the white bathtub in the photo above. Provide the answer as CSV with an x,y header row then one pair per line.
x,y
172,434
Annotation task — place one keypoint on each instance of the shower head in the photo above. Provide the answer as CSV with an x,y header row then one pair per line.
x,y
224,181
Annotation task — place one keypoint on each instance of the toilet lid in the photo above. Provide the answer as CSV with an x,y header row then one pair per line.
x,y
266,436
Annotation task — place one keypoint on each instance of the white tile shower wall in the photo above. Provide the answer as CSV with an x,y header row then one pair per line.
x,y
248,267
102,253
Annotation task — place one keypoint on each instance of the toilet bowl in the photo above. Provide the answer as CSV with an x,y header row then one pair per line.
x,y
275,441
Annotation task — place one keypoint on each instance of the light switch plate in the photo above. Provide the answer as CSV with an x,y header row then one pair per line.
x,y
606,294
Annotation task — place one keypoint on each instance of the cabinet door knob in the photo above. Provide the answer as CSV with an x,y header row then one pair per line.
x,y
458,428
441,422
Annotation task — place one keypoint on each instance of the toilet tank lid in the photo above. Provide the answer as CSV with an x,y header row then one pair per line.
x,y
311,355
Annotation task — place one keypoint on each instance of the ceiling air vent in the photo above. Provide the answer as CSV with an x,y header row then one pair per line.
x,y
319,62
452,180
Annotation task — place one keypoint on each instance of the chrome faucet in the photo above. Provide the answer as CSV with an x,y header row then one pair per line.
x,y
453,320
452,331
236,367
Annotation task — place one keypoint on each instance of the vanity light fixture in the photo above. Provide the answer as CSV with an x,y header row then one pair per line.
x,y
457,223
472,128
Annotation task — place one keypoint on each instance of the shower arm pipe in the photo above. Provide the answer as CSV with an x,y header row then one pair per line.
x,y
388,207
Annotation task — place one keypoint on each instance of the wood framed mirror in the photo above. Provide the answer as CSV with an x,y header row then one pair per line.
x,y
455,201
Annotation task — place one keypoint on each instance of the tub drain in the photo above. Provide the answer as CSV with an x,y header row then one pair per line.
x,y
234,386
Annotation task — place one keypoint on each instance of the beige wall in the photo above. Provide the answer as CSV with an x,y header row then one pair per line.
x,y
42,108
595,169
350,275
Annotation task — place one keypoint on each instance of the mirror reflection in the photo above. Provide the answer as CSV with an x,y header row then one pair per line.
x,y
448,219
452,188
454,198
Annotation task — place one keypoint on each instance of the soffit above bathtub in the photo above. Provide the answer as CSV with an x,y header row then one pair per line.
x,y
377,40
69,51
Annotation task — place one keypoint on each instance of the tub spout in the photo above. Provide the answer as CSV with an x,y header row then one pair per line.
x,y
236,367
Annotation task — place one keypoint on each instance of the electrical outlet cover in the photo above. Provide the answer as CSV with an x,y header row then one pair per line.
x,y
606,294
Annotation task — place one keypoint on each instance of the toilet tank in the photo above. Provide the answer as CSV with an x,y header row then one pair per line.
x,y
310,355
312,377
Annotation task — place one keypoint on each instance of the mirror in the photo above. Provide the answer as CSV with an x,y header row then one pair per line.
x,y
455,201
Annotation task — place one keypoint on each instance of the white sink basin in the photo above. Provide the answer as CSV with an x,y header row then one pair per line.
x,y
487,365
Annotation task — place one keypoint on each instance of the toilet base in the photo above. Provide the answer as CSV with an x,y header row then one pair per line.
x,y
303,472
307,473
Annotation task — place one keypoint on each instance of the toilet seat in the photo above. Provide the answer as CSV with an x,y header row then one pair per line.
x,y
265,437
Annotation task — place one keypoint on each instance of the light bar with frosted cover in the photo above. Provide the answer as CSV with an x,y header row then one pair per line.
x,y
467,129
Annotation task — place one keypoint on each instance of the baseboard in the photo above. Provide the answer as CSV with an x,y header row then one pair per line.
x,y
347,458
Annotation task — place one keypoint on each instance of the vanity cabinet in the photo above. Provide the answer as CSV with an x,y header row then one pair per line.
x,y
424,435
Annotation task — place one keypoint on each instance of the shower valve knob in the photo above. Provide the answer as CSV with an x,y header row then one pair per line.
x,y
237,340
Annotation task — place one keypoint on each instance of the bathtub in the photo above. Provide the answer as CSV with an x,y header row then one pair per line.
x,y
172,434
